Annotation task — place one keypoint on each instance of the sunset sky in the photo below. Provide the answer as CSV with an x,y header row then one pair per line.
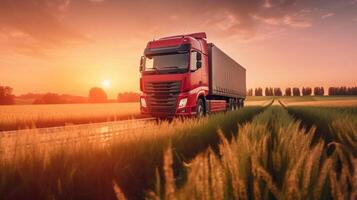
x,y
69,46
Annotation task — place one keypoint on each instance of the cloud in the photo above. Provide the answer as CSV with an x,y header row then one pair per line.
x,y
287,20
37,18
297,23
49,24
328,15
353,2
37,23
242,18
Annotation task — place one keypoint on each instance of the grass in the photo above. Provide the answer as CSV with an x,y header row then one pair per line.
x,y
272,157
316,98
333,124
289,99
258,98
130,163
26,116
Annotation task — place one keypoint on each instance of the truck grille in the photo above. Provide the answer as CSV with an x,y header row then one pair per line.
x,y
162,97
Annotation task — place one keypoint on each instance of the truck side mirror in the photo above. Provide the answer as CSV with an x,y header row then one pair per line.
x,y
198,64
142,63
198,56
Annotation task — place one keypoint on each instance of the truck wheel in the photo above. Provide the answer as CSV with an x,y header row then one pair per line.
x,y
200,108
236,104
242,103
231,105
239,104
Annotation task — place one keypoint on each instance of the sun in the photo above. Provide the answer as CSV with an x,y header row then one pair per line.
x,y
106,83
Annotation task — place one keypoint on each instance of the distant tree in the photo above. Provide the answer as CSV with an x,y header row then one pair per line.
x,y
288,91
296,92
319,91
50,98
30,96
278,92
331,91
97,95
266,92
306,91
258,91
6,96
353,90
250,92
269,91
128,97
342,90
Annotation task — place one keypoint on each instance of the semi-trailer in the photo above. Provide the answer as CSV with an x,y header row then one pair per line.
x,y
184,75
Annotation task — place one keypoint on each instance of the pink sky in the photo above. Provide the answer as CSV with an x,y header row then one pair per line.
x,y
68,46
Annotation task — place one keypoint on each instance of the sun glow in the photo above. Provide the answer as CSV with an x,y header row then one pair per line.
x,y
106,84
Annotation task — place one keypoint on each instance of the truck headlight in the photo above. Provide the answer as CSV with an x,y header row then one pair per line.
x,y
143,102
183,103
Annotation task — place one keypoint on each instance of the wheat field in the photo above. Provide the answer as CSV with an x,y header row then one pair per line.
x,y
28,116
272,157
258,152
14,117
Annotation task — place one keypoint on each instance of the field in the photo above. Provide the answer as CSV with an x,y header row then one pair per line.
x,y
258,152
30,116
37,116
324,101
27,116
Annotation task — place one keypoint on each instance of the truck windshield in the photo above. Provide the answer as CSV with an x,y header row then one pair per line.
x,y
169,62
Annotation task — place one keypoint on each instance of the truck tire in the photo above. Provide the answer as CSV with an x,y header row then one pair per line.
x,y
231,106
236,104
200,108
241,104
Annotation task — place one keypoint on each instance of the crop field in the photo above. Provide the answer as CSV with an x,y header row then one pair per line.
x,y
258,152
37,116
28,116
324,101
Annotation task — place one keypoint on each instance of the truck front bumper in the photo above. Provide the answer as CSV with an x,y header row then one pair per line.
x,y
179,109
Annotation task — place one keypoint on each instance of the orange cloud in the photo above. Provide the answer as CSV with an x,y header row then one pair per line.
x,y
37,24
327,15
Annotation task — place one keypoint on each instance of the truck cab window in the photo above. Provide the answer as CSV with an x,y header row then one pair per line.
x,y
167,62
193,61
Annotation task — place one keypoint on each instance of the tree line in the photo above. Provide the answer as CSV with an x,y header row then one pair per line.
x,y
95,95
342,91
98,95
6,96
304,91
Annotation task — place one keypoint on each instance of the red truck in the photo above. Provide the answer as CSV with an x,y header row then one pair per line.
x,y
184,75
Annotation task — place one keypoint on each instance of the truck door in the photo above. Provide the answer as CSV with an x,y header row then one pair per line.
x,y
196,71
